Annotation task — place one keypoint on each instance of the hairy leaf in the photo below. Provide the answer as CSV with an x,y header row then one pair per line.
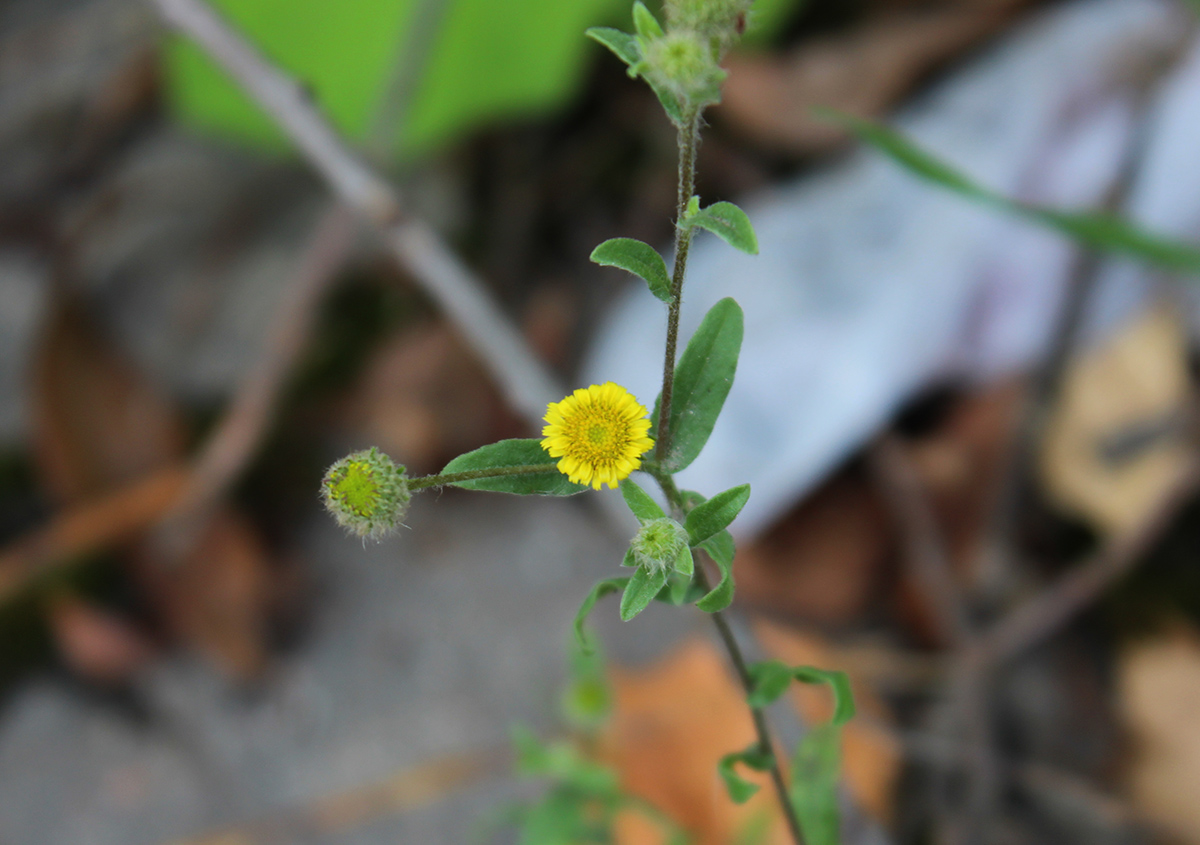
x,y
730,224
639,502
623,45
711,517
640,591
703,378
514,453
638,258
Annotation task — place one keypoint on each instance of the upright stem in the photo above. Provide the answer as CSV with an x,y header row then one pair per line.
x,y
689,135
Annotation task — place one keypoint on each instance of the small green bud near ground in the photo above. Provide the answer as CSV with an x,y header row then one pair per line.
x,y
721,21
658,544
367,493
683,63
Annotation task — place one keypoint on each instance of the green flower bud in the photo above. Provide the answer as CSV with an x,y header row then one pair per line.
x,y
684,64
659,543
719,20
366,493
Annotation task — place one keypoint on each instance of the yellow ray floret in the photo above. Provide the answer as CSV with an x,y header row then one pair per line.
x,y
599,432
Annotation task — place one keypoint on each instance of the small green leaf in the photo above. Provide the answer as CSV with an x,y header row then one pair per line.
x,y
514,453
839,683
638,258
721,595
599,591
741,790
639,502
693,206
645,23
703,378
669,101
640,591
684,564
1093,229
720,547
729,223
711,517
630,558
813,790
770,678
622,44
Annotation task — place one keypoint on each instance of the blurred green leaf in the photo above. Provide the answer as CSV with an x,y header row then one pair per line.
x,y
703,378
813,789
638,258
599,591
640,591
645,23
711,517
623,45
741,790
770,679
513,453
1097,230
491,59
684,564
639,502
587,700
729,223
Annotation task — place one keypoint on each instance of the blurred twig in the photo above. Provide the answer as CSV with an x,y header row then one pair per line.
x,y
524,380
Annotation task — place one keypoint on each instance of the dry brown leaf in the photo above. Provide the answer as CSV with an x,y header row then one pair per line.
x,y
425,398
864,72
217,595
97,422
96,644
1138,380
672,722
1159,690
824,561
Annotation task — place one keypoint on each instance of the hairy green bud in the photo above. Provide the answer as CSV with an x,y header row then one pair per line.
x,y
721,21
367,493
659,543
684,64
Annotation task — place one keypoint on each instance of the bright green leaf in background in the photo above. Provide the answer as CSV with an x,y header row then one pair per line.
x,y
741,790
492,59
813,790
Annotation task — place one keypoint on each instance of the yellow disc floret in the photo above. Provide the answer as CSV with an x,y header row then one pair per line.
x,y
599,432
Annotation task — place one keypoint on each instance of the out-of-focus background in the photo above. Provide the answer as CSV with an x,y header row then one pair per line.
x,y
972,443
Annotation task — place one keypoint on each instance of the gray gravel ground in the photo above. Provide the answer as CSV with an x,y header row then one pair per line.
x,y
428,645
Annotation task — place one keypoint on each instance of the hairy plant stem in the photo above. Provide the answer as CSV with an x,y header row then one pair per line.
x,y
689,138
475,474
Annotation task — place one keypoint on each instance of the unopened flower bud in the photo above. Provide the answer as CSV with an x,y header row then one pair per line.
x,y
659,543
683,62
367,493
722,21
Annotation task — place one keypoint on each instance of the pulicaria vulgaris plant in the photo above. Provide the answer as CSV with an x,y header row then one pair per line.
x,y
601,435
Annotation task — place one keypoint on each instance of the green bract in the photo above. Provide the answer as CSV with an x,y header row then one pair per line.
x,y
367,493
722,21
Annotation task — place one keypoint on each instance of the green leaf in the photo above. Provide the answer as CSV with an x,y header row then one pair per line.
x,y
770,678
729,223
599,591
1096,230
587,700
813,790
630,559
721,595
669,101
623,45
703,378
638,258
513,453
639,502
645,23
640,591
741,790
721,547
487,61
711,517
684,564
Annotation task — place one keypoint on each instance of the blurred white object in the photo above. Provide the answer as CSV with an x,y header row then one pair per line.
x,y
872,285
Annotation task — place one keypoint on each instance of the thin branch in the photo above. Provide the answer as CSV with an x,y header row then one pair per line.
x,y
525,381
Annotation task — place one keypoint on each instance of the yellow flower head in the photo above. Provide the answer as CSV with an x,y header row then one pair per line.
x,y
599,432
